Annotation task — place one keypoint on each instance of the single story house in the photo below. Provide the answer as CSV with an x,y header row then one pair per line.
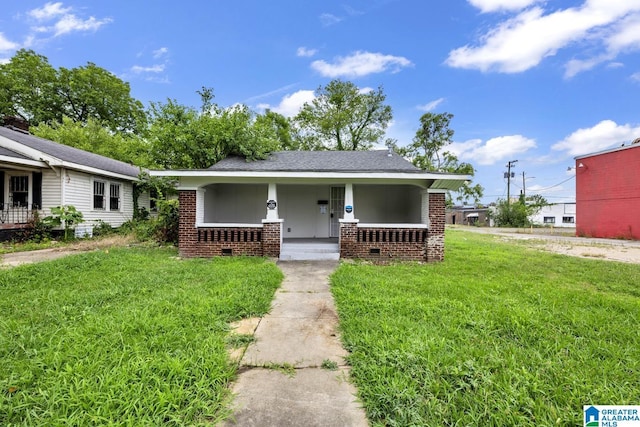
x,y
37,174
608,193
561,215
372,204
468,215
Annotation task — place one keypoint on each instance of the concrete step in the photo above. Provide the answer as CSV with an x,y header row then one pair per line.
x,y
309,256
309,251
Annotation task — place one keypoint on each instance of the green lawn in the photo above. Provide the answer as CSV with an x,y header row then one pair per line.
x,y
123,337
497,335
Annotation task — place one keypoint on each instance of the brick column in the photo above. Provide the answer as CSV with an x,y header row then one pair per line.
x,y
271,238
435,239
348,238
187,232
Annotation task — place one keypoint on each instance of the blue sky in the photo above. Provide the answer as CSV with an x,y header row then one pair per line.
x,y
535,81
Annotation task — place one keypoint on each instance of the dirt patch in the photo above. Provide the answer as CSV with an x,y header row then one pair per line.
x,y
610,253
19,258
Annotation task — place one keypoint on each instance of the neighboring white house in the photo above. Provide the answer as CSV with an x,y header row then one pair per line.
x,y
556,215
37,174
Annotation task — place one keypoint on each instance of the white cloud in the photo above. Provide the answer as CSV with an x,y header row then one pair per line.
x,y
636,76
605,134
360,64
63,20
6,44
615,65
430,106
157,68
4,61
48,11
497,5
159,53
328,19
524,40
291,104
305,52
492,151
71,23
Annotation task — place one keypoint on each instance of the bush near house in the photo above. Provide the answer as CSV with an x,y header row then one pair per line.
x,y
496,335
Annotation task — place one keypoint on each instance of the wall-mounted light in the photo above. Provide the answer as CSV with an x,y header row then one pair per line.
x,y
580,165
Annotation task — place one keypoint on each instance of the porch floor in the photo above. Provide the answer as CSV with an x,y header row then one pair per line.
x,y
310,249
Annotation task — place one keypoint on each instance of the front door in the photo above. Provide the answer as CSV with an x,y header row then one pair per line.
x,y
336,207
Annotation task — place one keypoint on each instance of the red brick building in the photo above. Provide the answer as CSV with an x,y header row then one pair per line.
x,y
359,204
608,193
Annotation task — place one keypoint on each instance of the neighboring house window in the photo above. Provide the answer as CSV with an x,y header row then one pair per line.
x,y
114,197
153,196
98,195
549,219
19,191
568,220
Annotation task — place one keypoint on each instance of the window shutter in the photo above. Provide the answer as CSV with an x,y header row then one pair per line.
x,y
37,191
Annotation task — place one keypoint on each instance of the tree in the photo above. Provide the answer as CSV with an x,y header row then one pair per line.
x,y
93,137
183,138
28,88
342,117
32,89
428,152
93,92
517,214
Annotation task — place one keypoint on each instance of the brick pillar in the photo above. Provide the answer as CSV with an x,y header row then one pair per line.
x,y
271,238
348,239
187,232
435,238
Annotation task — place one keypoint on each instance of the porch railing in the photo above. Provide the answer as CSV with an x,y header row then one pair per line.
x,y
16,214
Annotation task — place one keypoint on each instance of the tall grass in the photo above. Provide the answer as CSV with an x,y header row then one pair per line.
x,y
123,337
496,335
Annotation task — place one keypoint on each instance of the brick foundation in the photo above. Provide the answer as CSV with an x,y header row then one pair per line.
x,y
272,239
382,244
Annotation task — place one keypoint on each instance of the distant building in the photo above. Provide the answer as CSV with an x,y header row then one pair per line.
x,y
467,215
556,215
608,193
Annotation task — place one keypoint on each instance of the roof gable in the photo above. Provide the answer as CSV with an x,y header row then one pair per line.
x,y
321,161
70,155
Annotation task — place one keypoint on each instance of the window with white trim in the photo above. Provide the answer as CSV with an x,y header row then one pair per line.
x,y
98,195
568,220
114,197
549,219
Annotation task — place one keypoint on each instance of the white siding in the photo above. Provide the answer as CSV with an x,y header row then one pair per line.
x,y
388,204
78,191
556,214
51,190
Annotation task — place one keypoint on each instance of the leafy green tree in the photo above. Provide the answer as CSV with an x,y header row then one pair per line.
x,y
517,214
32,89
342,117
28,88
93,92
183,138
428,151
93,137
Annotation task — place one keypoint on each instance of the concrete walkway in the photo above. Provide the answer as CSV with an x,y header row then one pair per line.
x,y
281,381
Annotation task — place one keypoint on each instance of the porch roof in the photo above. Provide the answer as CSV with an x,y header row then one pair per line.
x,y
379,166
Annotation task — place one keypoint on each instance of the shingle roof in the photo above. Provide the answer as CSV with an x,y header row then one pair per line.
x,y
70,154
9,153
321,161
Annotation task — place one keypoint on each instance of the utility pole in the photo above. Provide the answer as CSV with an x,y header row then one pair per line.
x,y
524,187
509,175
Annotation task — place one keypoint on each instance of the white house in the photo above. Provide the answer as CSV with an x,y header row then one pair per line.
x,y
37,174
372,204
556,215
